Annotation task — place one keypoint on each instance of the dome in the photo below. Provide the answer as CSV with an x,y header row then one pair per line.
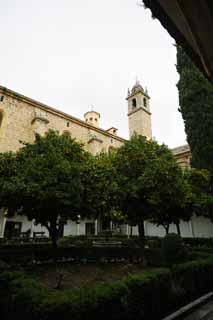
x,y
92,118
137,87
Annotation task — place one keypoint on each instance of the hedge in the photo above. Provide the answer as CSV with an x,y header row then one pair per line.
x,y
199,242
46,254
149,296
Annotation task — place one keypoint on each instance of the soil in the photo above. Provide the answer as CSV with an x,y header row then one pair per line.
x,y
74,276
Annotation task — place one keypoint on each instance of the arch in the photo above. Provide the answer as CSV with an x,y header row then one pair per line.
x,y
144,102
66,133
134,103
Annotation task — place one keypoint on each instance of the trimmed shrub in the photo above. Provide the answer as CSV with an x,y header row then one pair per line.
x,y
199,242
173,249
149,296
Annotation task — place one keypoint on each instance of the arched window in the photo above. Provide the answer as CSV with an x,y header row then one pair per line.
x,y
144,102
134,103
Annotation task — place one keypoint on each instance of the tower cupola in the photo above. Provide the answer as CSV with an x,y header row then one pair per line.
x,y
92,118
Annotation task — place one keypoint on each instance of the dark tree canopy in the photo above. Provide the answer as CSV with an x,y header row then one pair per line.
x,y
45,184
196,107
150,185
99,182
10,184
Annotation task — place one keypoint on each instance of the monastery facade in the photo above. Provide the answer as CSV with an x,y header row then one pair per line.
x,y
21,117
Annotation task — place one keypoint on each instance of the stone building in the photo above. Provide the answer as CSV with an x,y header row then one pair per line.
x,y
21,117
182,155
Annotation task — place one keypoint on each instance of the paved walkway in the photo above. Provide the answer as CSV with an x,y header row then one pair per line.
x,y
205,312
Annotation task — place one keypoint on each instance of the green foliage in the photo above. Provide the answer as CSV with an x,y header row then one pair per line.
x,y
173,248
196,107
195,277
199,198
150,183
98,178
44,181
149,296
11,185
199,242
80,252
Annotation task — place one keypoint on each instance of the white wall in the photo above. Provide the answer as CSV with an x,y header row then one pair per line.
x,y
197,227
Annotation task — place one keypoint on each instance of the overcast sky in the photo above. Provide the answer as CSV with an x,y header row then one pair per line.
x,y
71,54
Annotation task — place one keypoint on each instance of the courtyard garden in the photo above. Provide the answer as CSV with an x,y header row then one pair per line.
x,y
54,180
167,274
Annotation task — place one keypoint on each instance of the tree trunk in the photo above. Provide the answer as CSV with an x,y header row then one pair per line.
x,y
141,232
178,228
54,234
54,241
167,228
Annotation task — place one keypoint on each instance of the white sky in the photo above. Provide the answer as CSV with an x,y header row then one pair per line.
x,y
71,54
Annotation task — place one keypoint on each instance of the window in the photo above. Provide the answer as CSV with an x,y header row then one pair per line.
x,y
144,102
90,119
68,124
134,103
1,117
96,119
2,98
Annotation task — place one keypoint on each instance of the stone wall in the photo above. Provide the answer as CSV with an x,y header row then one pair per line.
x,y
23,117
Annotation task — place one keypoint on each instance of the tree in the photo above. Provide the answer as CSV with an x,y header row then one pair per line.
x,y
173,199
48,172
149,182
201,199
196,107
99,182
10,184
190,195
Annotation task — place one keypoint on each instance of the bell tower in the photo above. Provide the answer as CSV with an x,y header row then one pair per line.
x,y
139,112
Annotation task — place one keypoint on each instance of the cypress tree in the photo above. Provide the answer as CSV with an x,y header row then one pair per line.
x,y
196,107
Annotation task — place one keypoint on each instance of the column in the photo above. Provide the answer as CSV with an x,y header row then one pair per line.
x,y
127,230
96,227
192,228
32,228
3,227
